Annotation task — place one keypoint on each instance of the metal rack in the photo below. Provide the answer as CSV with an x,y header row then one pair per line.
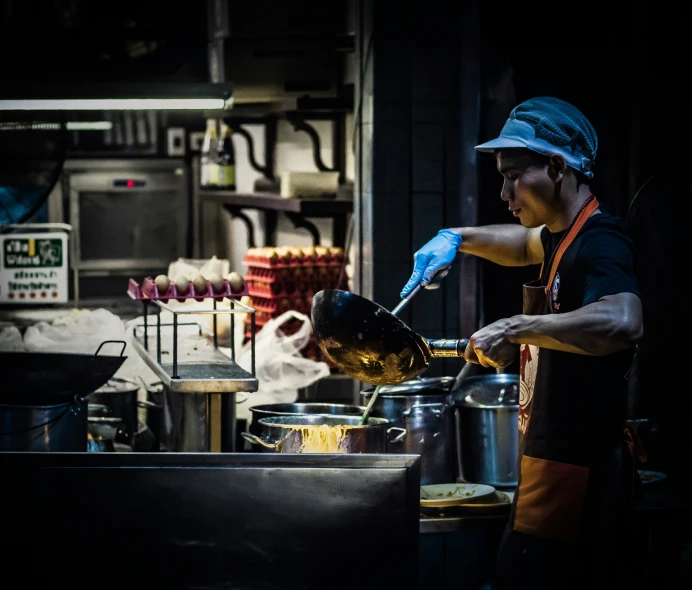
x,y
211,372
200,390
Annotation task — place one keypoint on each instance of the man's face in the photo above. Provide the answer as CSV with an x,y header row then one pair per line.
x,y
527,188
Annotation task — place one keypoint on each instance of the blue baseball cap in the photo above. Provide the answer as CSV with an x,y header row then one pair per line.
x,y
549,126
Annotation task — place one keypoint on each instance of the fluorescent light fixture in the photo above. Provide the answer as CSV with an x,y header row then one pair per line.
x,y
111,97
47,126
115,104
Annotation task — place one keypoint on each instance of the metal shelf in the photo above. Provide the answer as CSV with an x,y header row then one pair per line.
x,y
296,209
323,207
196,366
216,373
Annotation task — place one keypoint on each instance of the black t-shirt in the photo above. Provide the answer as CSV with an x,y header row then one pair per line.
x,y
599,262
591,404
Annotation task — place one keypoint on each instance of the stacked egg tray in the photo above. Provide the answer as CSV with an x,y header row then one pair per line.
x,y
277,284
148,291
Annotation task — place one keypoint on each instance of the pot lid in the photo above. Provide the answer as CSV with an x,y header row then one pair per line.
x,y
420,385
488,391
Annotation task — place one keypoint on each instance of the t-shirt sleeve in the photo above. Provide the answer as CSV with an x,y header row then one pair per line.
x,y
608,259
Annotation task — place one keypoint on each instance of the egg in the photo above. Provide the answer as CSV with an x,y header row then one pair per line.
x,y
162,283
236,281
216,282
200,284
181,284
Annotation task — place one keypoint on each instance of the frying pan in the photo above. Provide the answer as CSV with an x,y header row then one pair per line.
x,y
54,376
371,344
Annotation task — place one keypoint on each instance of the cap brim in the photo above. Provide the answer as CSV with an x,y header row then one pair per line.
x,y
499,143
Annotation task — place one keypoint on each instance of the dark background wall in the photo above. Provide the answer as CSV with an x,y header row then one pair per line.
x,y
441,77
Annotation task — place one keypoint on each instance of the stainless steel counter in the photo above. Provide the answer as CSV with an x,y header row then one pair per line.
x,y
212,520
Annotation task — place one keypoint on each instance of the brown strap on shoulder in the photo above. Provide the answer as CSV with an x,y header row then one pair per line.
x,y
590,205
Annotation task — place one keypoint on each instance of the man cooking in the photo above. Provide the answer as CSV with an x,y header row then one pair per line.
x,y
581,320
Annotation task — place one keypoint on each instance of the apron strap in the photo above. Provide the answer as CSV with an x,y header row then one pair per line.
x,y
637,452
587,209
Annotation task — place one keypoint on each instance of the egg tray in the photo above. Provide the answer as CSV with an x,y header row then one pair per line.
x,y
148,291
298,273
279,305
264,262
288,288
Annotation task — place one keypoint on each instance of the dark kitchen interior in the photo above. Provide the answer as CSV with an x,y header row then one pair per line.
x,y
350,129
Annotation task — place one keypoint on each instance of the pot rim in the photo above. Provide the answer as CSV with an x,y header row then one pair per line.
x,y
263,409
283,421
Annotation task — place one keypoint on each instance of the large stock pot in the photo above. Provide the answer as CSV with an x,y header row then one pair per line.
x,y
486,411
422,407
291,434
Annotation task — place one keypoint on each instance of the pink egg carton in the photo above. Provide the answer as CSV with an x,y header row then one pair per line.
x,y
259,288
149,291
269,275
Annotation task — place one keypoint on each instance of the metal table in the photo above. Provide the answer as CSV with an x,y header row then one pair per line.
x,y
200,382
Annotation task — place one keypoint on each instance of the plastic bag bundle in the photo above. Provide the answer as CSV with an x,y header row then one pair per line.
x,y
279,366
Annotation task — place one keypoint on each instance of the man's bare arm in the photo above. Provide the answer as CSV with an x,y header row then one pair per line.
x,y
608,325
504,244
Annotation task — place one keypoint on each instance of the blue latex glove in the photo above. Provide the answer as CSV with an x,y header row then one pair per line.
x,y
433,259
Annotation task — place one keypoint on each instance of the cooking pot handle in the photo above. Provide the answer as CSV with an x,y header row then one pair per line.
x,y
437,411
251,438
399,436
112,342
146,404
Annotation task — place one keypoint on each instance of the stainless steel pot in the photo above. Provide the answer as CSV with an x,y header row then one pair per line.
x,y
284,434
120,396
486,409
423,408
56,427
299,409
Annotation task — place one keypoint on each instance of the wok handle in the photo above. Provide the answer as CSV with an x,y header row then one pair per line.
x,y
111,342
251,438
443,348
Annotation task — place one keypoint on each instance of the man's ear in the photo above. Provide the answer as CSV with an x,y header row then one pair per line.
x,y
557,168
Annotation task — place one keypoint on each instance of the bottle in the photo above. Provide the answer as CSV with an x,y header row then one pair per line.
x,y
226,159
209,170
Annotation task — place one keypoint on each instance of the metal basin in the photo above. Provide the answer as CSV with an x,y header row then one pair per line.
x,y
296,434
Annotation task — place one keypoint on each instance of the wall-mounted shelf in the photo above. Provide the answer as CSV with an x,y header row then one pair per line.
x,y
297,210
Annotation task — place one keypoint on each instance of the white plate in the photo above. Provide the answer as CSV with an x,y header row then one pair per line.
x,y
452,494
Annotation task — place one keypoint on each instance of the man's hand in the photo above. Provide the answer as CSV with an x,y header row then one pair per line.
x,y
431,262
490,347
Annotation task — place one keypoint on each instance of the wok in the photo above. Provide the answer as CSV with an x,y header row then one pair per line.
x,y
54,376
369,343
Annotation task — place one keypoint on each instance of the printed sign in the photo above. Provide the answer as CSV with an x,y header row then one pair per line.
x,y
33,268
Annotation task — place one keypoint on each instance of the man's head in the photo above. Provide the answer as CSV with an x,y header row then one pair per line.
x,y
545,151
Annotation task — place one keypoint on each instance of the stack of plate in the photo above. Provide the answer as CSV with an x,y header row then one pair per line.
x,y
463,498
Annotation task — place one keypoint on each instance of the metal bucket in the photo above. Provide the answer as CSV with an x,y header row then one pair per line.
x,y
285,434
423,407
300,409
486,422
56,427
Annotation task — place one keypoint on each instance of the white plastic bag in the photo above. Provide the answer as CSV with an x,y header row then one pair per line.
x,y
279,366
11,339
82,332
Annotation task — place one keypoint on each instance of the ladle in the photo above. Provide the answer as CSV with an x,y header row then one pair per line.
x,y
369,343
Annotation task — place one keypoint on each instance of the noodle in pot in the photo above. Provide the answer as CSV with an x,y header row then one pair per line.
x,y
323,438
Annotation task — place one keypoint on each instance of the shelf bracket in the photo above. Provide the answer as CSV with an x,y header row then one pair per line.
x,y
301,125
299,221
237,213
266,171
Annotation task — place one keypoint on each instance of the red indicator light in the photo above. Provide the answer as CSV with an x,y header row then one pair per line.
x,y
130,183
